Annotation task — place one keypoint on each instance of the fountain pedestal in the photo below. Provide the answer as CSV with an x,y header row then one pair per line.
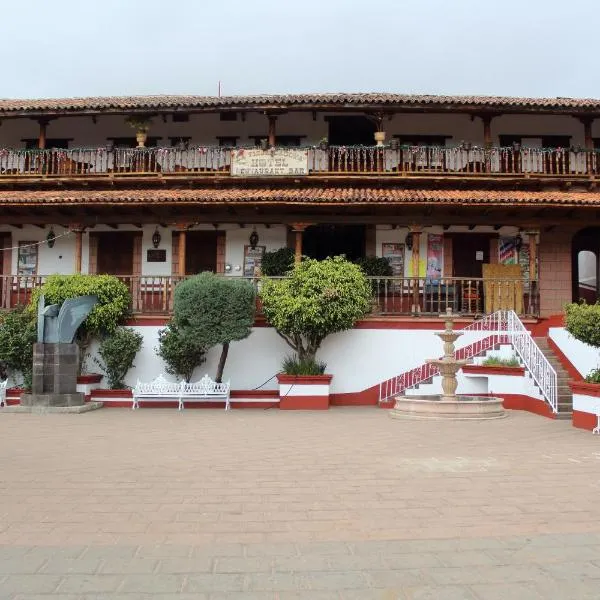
x,y
448,405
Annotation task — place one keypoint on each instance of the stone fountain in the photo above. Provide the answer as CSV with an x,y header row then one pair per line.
x,y
448,405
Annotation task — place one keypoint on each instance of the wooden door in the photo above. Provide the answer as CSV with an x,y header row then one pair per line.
x,y
201,252
469,252
115,253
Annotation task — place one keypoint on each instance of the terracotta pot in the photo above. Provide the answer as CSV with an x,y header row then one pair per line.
x,y
141,137
380,137
304,392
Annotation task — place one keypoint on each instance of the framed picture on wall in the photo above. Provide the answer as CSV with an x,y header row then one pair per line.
x,y
253,260
395,255
27,258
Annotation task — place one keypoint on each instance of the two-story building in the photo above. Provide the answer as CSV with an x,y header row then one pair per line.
x,y
478,202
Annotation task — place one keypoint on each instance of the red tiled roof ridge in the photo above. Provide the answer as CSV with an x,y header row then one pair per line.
x,y
167,101
307,195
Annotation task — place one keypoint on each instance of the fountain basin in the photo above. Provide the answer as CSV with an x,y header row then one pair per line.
x,y
462,408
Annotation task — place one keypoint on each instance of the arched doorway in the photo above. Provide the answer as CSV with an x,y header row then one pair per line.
x,y
585,257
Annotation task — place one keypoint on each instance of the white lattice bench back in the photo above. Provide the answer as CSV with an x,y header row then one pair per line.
x,y
3,385
160,389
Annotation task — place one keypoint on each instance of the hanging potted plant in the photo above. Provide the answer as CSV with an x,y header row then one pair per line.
x,y
141,126
316,299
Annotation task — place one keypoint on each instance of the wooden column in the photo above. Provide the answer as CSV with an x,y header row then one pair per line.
x,y
415,231
532,236
272,130
298,229
42,134
181,228
78,229
487,130
588,142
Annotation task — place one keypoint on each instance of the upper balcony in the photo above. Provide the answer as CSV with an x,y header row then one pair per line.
x,y
392,160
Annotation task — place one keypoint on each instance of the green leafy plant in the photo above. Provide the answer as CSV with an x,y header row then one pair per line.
x,y
497,361
292,365
139,123
17,336
318,298
375,266
277,262
593,376
118,352
114,301
211,310
181,354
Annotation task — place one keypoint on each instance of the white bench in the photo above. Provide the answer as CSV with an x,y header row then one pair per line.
x,y
3,392
205,390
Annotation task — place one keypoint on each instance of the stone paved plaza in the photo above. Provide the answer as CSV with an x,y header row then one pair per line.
x,y
264,504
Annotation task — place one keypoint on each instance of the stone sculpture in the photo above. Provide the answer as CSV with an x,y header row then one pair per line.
x,y
59,325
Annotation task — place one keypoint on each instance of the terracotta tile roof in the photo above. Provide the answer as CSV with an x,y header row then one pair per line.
x,y
298,101
322,196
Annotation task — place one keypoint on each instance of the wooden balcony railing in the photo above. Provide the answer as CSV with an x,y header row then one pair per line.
x,y
335,160
392,296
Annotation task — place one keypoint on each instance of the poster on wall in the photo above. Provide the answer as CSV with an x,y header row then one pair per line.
x,y
27,258
435,256
253,260
395,256
507,251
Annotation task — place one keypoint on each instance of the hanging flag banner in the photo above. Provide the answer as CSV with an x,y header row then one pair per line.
x,y
435,256
507,251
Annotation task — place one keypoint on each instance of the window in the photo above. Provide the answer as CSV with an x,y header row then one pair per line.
x,y
130,142
288,141
27,258
180,117
32,143
532,141
228,116
227,141
423,140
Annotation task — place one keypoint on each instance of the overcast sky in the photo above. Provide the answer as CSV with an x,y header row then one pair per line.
x,y
127,47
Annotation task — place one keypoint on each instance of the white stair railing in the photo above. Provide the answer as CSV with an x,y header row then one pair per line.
x,y
534,360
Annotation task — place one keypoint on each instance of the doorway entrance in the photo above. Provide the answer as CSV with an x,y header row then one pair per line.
x,y
322,241
115,253
585,256
351,131
200,252
469,252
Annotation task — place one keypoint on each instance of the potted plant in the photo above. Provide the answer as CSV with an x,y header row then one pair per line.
x,y
582,321
324,143
141,126
317,298
496,365
264,144
394,144
380,137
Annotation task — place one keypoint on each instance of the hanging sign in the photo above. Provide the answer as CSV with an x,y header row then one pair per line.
x,y
282,162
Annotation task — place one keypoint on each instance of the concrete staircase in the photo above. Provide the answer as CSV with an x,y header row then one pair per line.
x,y
564,394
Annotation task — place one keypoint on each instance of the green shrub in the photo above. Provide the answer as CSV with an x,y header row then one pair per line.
x,y
210,309
114,300
375,266
497,361
17,336
118,352
181,354
317,299
593,376
582,321
277,262
292,365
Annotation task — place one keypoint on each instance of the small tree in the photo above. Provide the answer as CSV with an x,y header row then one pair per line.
x,y
114,301
17,336
212,309
277,262
118,352
317,299
181,354
582,321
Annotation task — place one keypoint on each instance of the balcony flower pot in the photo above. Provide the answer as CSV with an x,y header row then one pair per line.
x,y
304,392
494,370
380,137
395,144
141,137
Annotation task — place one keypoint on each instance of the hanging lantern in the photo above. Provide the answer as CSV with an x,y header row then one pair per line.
x,y
253,239
156,238
518,242
51,238
409,241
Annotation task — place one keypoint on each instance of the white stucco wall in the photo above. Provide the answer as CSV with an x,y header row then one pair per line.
x,y
582,356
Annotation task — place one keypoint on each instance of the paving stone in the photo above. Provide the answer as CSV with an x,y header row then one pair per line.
x,y
71,565
249,564
23,584
156,583
429,592
199,564
129,565
217,582
278,582
21,564
512,591
73,584
573,570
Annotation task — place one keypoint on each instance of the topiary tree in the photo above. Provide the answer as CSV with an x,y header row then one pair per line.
x,y
114,301
181,354
582,321
117,353
211,309
277,262
317,299
17,336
